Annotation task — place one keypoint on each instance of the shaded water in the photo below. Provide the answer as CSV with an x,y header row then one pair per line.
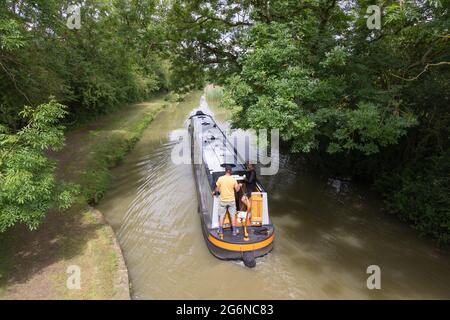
x,y
325,240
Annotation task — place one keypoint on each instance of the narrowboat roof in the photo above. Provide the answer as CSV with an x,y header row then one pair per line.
x,y
218,152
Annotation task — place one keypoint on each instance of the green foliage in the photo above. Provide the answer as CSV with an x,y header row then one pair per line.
x,y
311,100
113,59
366,129
174,97
419,194
336,57
10,36
27,184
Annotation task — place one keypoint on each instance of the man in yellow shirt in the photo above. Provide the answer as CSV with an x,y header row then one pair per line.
x,y
227,185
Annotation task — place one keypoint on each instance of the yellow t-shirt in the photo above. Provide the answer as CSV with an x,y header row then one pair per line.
x,y
226,185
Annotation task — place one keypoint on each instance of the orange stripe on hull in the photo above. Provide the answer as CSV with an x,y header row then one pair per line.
x,y
241,247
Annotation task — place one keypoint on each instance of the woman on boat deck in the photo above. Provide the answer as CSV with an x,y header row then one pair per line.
x,y
227,185
250,176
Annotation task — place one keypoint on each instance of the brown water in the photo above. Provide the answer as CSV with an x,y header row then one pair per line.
x,y
325,239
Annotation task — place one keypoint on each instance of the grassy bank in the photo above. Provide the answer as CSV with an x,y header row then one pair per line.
x,y
33,265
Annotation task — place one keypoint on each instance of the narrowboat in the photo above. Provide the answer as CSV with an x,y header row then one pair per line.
x,y
211,152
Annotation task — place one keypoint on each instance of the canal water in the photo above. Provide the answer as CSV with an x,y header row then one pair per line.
x,y
328,233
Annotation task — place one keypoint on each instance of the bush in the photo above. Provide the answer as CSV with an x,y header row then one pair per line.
x,y
174,97
420,194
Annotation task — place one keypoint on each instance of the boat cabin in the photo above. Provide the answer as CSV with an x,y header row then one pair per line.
x,y
213,153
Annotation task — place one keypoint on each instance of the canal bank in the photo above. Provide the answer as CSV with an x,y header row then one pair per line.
x,y
326,238
38,264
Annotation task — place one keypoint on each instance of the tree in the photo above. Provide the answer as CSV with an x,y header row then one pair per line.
x,y
114,58
367,103
28,188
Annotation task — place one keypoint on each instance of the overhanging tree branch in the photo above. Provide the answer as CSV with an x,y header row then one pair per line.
x,y
423,71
